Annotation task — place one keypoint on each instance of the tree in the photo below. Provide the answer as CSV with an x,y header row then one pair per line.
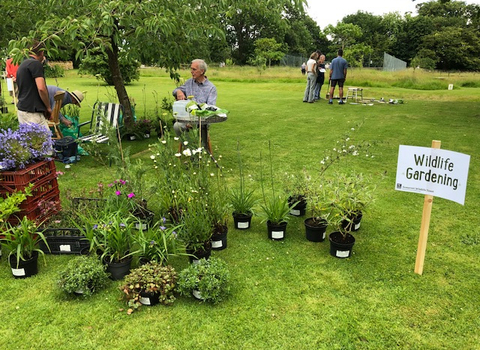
x,y
245,21
269,49
157,32
344,34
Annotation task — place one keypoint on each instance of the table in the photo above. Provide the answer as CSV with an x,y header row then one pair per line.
x,y
204,122
354,92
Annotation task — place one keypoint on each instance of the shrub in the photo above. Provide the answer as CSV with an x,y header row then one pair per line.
x,y
83,275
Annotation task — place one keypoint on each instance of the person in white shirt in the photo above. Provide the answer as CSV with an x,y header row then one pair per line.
x,y
311,78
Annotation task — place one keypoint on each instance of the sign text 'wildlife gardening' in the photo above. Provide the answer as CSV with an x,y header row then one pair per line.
x,y
433,171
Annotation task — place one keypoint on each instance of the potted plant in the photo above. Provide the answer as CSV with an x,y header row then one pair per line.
x,y
320,207
196,231
149,284
112,239
275,208
157,243
296,189
242,200
218,208
350,194
22,243
83,275
207,281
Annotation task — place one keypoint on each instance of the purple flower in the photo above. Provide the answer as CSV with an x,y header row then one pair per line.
x,y
123,182
152,242
164,219
95,226
122,225
118,193
163,228
131,195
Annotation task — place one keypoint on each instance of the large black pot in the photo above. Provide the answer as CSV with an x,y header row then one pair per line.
x,y
340,246
25,268
276,231
118,270
315,230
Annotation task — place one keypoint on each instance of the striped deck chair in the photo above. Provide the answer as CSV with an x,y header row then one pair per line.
x,y
102,112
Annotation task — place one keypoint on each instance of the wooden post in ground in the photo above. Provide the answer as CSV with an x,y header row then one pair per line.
x,y
422,240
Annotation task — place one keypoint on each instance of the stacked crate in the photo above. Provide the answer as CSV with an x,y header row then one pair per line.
x,y
43,176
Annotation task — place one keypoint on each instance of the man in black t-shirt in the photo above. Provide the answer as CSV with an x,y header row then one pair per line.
x,y
33,103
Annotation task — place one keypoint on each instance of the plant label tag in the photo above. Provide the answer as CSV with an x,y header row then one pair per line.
x,y
18,272
197,294
141,227
277,234
217,244
295,212
357,226
342,253
242,224
145,301
323,237
65,248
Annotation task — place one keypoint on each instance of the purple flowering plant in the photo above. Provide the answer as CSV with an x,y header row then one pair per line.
x,y
158,242
20,147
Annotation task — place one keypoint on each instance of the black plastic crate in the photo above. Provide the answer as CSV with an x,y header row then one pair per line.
x,y
64,241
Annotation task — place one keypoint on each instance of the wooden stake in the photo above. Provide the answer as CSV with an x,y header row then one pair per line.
x,y
422,240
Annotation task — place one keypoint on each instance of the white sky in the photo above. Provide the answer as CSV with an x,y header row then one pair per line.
x,y
331,12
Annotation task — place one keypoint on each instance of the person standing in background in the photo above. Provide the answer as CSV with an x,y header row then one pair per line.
x,y
303,68
33,103
311,78
320,76
338,74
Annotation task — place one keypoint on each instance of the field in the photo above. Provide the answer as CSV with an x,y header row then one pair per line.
x,y
292,294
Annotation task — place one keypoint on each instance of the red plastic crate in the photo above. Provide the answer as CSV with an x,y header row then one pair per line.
x,y
32,210
21,178
39,187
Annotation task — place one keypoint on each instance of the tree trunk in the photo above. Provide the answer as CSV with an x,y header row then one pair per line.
x,y
119,85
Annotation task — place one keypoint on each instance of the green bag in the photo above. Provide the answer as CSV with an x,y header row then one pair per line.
x,y
72,130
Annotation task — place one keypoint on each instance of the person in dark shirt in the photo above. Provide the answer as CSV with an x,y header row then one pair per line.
x,y
33,103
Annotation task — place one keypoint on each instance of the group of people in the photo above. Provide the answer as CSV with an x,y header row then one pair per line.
x,y
315,70
34,99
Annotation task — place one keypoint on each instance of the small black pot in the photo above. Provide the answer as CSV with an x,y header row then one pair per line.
x,y
353,225
300,208
25,268
341,247
149,299
315,230
202,253
242,221
219,238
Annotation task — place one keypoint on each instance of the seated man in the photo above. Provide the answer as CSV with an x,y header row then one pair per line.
x,y
202,90
75,97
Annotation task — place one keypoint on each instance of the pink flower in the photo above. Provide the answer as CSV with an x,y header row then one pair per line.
x,y
110,185
122,181
118,193
131,195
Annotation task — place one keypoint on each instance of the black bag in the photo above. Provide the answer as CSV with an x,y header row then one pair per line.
x,y
66,148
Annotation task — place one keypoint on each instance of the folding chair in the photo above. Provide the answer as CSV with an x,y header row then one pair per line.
x,y
102,111
55,122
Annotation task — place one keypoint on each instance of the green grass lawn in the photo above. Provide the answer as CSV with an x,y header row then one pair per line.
x,y
292,294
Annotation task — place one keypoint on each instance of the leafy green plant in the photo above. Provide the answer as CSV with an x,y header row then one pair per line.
x,y
275,208
158,243
22,241
349,195
241,199
149,278
208,279
111,237
10,204
83,275
197,226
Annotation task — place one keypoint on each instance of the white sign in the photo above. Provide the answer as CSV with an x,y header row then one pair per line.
x,y
10,86
432,171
